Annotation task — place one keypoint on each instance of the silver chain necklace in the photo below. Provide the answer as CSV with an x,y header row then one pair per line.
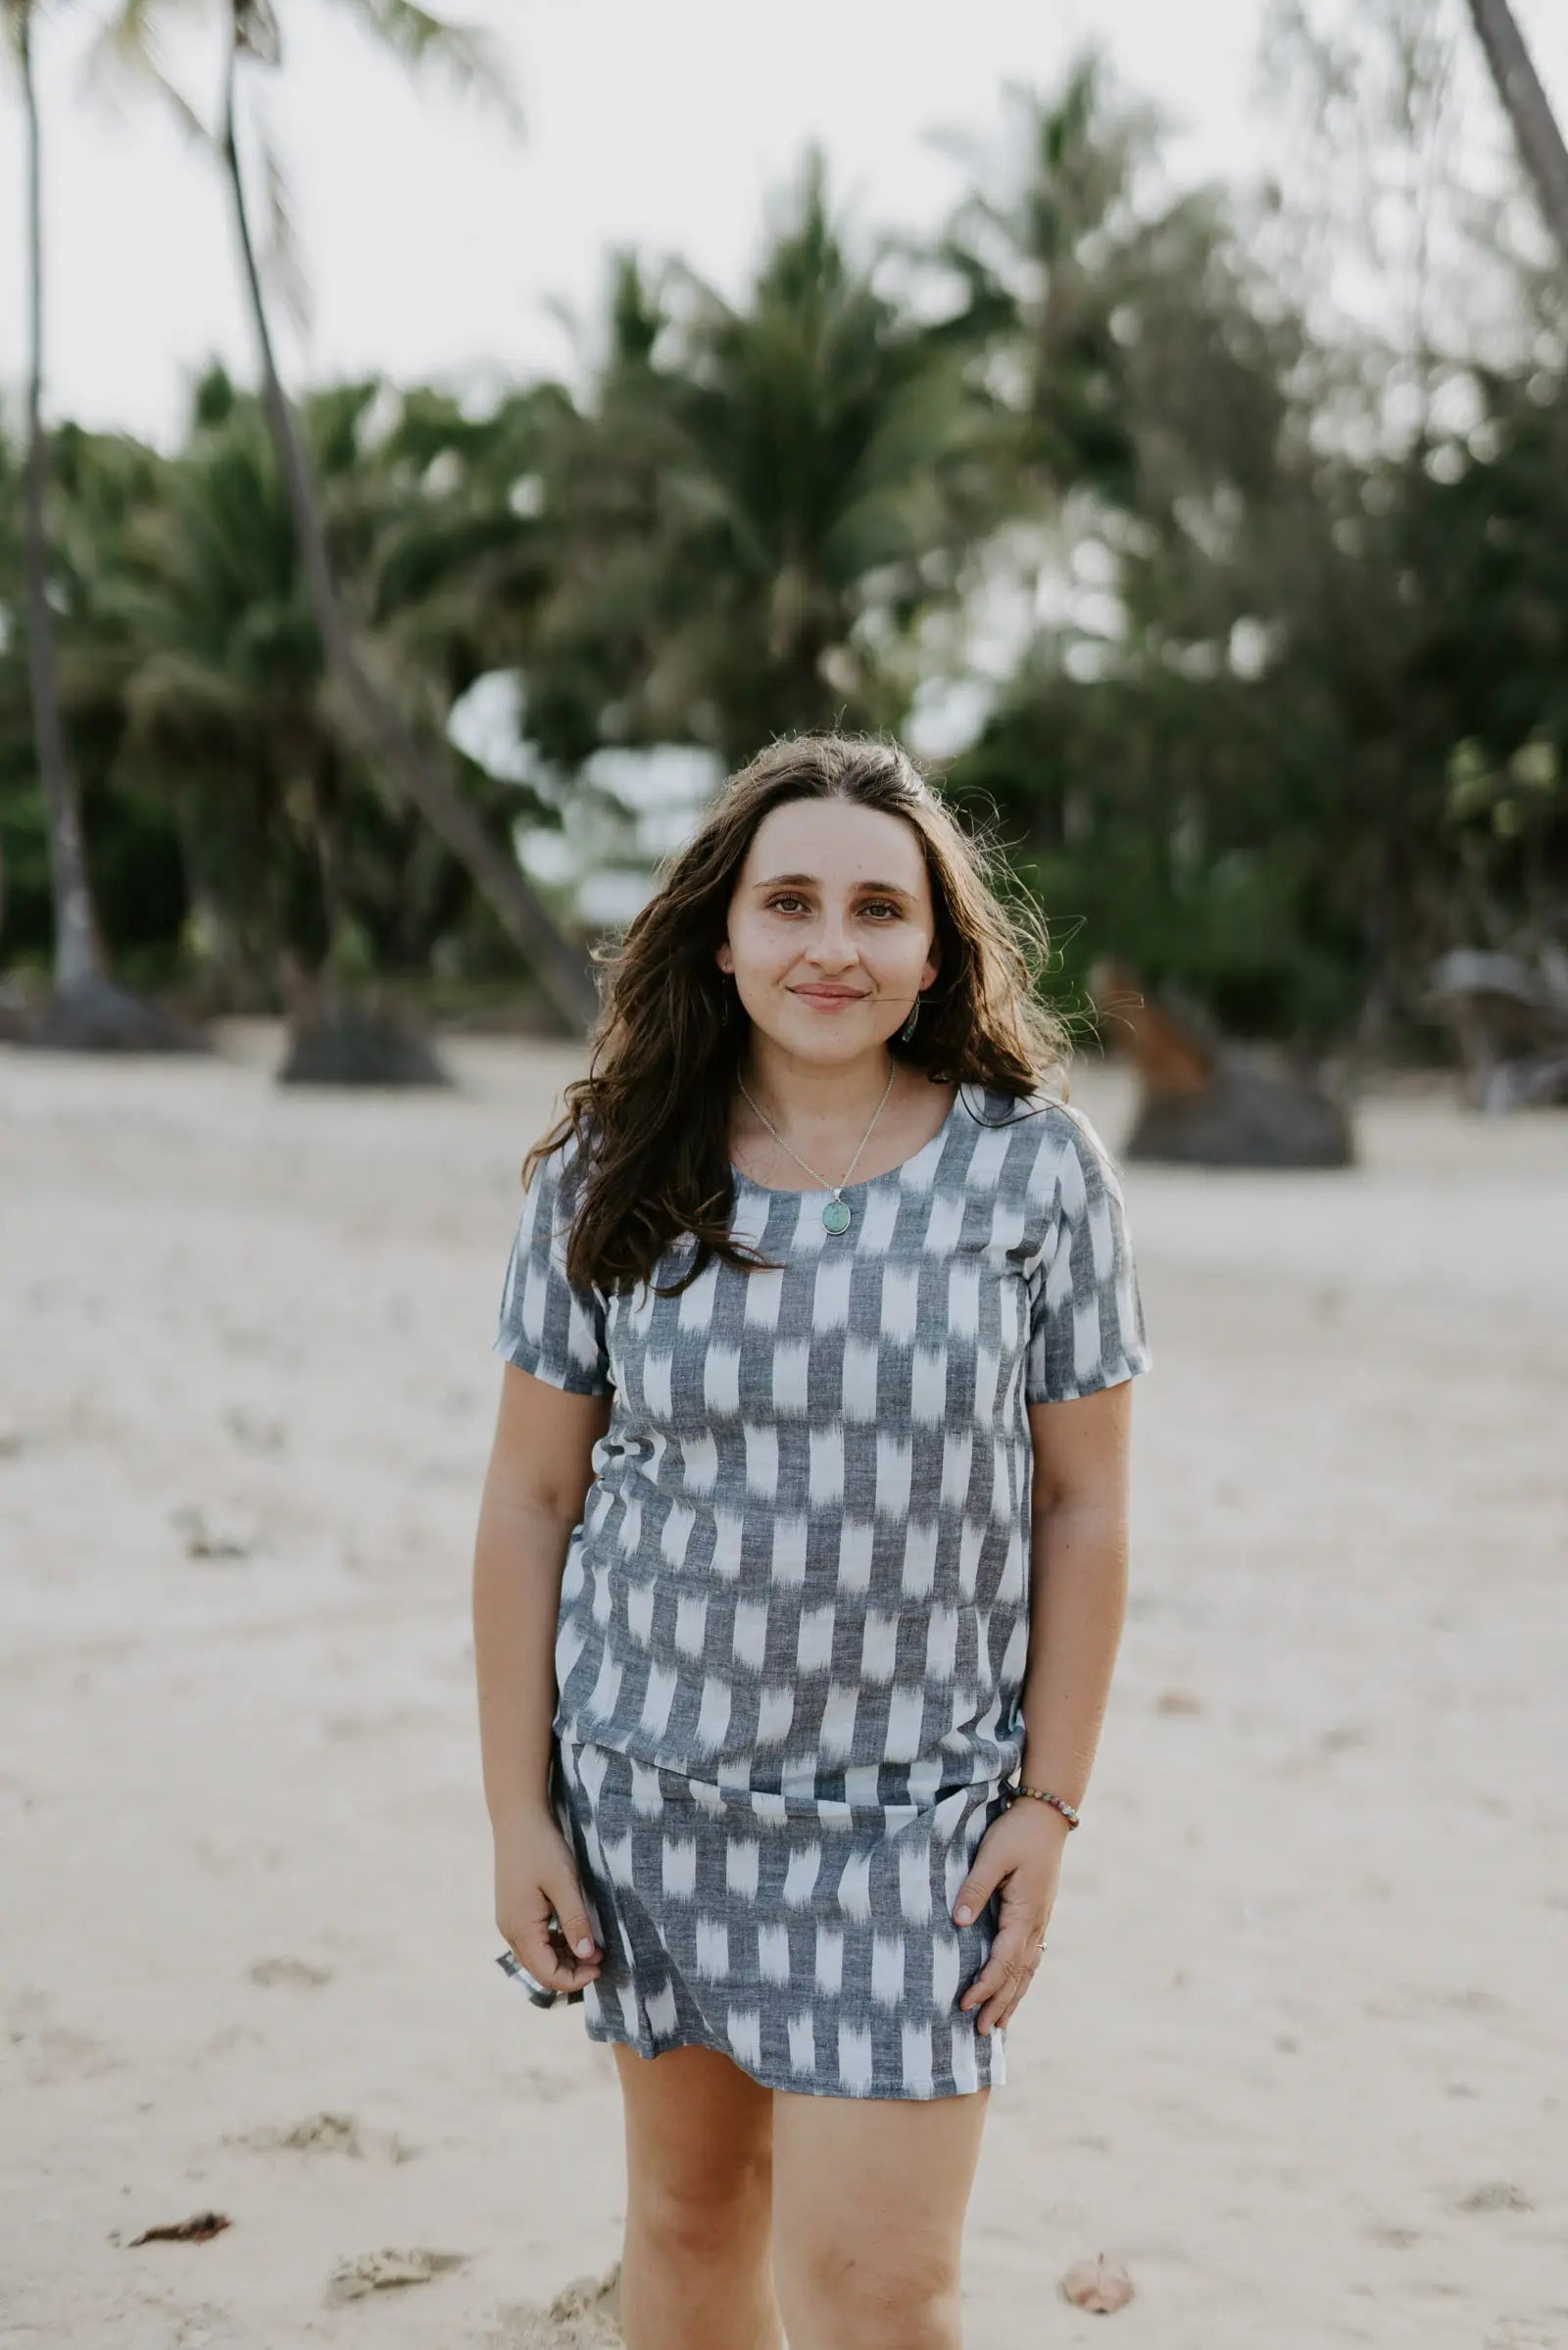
x,y
835,1211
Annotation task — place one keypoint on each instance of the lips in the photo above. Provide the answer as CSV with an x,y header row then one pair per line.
x,y
832,995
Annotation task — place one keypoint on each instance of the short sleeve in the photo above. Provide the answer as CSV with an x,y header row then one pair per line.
x,y
1087,1324
550,1325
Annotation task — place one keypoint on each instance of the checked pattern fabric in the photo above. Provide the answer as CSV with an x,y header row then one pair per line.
x,y
793,1615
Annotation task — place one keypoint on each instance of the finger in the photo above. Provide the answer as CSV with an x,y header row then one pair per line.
x,y
1006,1974
1004,2012
571,1911
532,1943
995,2018
990,1980
1032,1962
539,1944
1000,2007
974,1892
532,1946
996,1981
1009,1953
1001,2002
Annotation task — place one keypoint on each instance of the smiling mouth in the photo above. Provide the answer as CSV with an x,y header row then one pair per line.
x,y
833,994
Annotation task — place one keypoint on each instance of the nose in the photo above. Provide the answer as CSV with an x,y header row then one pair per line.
x,y
830,952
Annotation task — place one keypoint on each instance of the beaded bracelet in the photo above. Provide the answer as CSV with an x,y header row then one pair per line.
x,y
1067,1811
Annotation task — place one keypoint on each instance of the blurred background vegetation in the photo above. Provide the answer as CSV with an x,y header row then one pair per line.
x,y
1213,540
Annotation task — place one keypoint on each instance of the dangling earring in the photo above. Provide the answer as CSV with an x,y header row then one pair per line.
x,y
908,1030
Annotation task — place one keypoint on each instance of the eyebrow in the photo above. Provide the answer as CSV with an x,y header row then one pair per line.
x,y
884,889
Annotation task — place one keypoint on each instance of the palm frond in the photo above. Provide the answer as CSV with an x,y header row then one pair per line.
x,y
282,261
472,58
126,53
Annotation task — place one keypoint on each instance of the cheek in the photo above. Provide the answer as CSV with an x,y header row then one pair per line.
x,y
898,963
762,950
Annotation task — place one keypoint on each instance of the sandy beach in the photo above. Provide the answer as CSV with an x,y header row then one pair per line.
x,y
1294,2058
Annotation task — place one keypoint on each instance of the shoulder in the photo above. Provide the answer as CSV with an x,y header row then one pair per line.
x,y
559,1168
1043,1135
552,1193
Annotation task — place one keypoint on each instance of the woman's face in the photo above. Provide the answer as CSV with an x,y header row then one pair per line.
x,y
831,897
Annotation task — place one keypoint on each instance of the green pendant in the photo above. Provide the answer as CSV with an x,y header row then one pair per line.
x,y
836,1215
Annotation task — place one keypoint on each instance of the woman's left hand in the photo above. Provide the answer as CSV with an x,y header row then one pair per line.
x,y
1019,1855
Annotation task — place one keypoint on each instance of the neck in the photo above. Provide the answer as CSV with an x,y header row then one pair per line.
x,y
799,1096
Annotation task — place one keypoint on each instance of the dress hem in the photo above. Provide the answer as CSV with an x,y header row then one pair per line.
x,y
793,2086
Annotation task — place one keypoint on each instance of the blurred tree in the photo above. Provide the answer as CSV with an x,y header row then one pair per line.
x,y
1425,393
744,523
130,41
1264,594
86,1010
1541,149
1230,736
1149,466
298,857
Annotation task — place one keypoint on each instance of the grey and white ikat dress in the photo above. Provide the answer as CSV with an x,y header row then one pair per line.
x,y
794,1614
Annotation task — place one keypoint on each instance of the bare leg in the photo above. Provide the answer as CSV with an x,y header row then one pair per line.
x,y
869,2196
696,2271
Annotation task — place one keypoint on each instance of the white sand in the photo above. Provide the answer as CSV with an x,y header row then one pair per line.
x,y
1294,2055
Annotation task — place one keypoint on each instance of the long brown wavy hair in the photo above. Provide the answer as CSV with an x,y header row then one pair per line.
x,y
652,1117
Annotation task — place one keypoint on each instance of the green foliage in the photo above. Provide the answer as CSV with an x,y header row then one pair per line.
x,y
1281,698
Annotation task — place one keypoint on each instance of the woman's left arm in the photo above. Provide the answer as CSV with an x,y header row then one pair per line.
x,y
1077,1605
1077,1584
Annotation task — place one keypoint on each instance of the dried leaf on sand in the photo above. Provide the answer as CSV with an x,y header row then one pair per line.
x,y
194,2230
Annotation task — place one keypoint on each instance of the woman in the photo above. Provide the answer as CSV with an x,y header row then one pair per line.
x,y
798,1589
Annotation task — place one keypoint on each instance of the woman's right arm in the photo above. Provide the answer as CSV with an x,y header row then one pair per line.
x,y
534,1490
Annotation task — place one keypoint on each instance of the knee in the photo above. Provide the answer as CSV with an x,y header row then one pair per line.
x,y
707,2209
875,2297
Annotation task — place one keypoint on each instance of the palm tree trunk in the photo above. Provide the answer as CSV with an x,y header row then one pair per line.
x,y
79,948
564,973
1529,109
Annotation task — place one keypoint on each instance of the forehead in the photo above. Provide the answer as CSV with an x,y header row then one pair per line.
x,y
837,841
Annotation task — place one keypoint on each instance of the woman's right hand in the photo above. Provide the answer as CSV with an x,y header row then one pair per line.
x,y
535,1875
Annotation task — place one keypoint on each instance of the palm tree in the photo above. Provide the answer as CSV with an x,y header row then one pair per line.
x,y
1107,321
743,528
86,1010
206,625
297,866
1540,143
421,38
823,437
1042,246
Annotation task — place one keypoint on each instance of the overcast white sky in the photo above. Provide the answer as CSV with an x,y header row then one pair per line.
x,y
433,238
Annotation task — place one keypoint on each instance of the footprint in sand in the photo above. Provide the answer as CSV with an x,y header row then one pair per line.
x,y
382,2271
215,1532
257,1434
544,2089
48,2052
303,1974
585,2314
344,1728
1498,2195
326,2133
